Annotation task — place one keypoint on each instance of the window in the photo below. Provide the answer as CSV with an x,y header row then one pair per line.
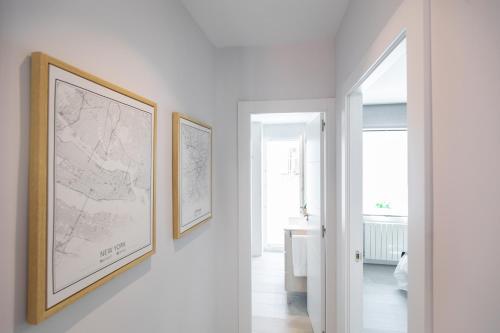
x,y
385,172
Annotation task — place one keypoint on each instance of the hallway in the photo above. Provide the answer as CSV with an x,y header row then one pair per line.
x,y
153,151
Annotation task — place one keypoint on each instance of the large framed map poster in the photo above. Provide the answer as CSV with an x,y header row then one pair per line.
x,y
92,184
191,173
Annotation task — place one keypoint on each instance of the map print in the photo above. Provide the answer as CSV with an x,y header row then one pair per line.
x,y
195,169
102,183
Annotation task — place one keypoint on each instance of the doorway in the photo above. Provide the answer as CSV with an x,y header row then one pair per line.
x,y
284,251
282,200
375,160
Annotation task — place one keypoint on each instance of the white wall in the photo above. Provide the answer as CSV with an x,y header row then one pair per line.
x,y
361,24
384,116
296,71
284,131
466,143
154,49
465,38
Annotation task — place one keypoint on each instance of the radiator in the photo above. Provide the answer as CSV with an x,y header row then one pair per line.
x,y
384,242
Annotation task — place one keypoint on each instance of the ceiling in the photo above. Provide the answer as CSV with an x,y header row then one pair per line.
x,y
266,22
387,83
284,118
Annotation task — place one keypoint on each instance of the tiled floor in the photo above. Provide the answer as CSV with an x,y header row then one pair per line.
x,y
270,309
385,306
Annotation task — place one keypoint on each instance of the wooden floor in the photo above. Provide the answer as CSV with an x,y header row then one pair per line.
x,y
384,305
271,311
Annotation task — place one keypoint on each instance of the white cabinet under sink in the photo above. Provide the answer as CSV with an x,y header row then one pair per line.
x,y
292,282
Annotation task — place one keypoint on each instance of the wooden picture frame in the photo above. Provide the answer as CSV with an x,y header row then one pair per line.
x,y
56,246
191,173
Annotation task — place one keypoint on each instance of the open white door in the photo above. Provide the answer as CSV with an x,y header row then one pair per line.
x,y
353,156
314,198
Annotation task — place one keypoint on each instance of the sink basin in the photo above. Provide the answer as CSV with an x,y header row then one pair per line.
x,y
297,223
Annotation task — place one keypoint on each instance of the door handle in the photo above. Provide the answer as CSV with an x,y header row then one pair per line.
x,y
357,256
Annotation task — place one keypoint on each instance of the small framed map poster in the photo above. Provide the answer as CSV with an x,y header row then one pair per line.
x,y
92,184
192,173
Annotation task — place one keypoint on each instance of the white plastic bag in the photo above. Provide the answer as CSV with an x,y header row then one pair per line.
x,y
401,273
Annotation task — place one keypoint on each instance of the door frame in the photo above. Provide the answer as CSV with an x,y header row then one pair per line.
x,y
245,110
411,21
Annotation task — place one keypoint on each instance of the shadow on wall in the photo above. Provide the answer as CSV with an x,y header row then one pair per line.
x,y
71,315
190,237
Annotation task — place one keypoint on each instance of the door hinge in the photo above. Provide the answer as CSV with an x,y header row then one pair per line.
x,y
323,231
323,124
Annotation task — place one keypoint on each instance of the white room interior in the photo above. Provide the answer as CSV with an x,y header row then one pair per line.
x,y
385,195
279,221
290,295
277,176
204,57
